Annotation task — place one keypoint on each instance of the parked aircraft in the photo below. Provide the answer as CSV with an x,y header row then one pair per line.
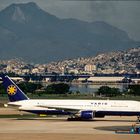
x,y
75,109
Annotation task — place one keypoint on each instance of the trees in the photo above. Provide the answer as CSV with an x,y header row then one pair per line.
x,y
2,91
60,88
134,90
108,91
29,87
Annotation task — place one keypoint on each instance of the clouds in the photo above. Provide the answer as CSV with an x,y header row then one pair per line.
x,y
123,14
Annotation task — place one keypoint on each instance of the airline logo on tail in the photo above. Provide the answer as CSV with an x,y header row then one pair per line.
x,y
11,89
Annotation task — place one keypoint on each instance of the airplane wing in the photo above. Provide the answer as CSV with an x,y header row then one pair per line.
x,y
61,108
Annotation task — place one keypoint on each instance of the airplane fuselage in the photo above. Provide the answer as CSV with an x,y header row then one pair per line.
x,y
101,107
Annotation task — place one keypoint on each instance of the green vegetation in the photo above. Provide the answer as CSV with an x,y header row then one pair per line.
x,y
60,88
105,91
4,99
30,87
24,116
108,91
2,91
134,90
62,91
37,88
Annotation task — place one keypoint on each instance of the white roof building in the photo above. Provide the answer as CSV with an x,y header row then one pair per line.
x,y
105,79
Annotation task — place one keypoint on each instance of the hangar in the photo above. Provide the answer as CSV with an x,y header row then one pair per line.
x,y
112,79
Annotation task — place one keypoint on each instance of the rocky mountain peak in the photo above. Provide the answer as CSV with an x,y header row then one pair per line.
x,y
18,15
29,32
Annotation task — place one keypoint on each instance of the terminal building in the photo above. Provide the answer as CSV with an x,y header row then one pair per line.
x,y
80,79
99,79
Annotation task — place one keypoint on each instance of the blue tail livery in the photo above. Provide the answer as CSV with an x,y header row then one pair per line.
x,y
13,91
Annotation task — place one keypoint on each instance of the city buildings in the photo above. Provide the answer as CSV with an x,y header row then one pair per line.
x,y
120,62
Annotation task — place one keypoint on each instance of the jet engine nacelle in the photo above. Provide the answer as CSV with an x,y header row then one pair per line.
x,y
87,114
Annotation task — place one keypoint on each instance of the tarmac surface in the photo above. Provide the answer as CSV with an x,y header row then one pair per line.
x,y
32,128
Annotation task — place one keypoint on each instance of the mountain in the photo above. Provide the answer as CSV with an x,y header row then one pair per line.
x,y
37,36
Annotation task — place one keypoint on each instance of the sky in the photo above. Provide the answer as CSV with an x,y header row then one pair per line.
x,y
124,14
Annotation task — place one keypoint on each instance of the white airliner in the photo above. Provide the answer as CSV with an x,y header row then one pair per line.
x,y
81,109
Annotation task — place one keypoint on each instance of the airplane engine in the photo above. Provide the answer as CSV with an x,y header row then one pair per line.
x,y
87,114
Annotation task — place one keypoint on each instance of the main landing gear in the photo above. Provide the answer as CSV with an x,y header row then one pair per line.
x,y
73,118
138,119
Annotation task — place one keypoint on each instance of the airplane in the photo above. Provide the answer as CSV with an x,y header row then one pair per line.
x,y
75,109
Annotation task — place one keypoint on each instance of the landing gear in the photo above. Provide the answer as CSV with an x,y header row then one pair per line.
x,y
138,119
75,119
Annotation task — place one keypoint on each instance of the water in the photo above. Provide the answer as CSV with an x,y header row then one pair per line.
x,y
92,88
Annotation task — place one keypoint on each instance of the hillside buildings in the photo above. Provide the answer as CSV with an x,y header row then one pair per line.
x,y
105,63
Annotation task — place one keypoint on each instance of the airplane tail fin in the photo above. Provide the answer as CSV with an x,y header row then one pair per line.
x,y
13,91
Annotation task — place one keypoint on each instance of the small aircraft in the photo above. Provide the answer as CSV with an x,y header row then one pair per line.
x,y
75,109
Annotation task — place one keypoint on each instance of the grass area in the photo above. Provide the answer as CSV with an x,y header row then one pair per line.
x,y
18,116
135,98
4,98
